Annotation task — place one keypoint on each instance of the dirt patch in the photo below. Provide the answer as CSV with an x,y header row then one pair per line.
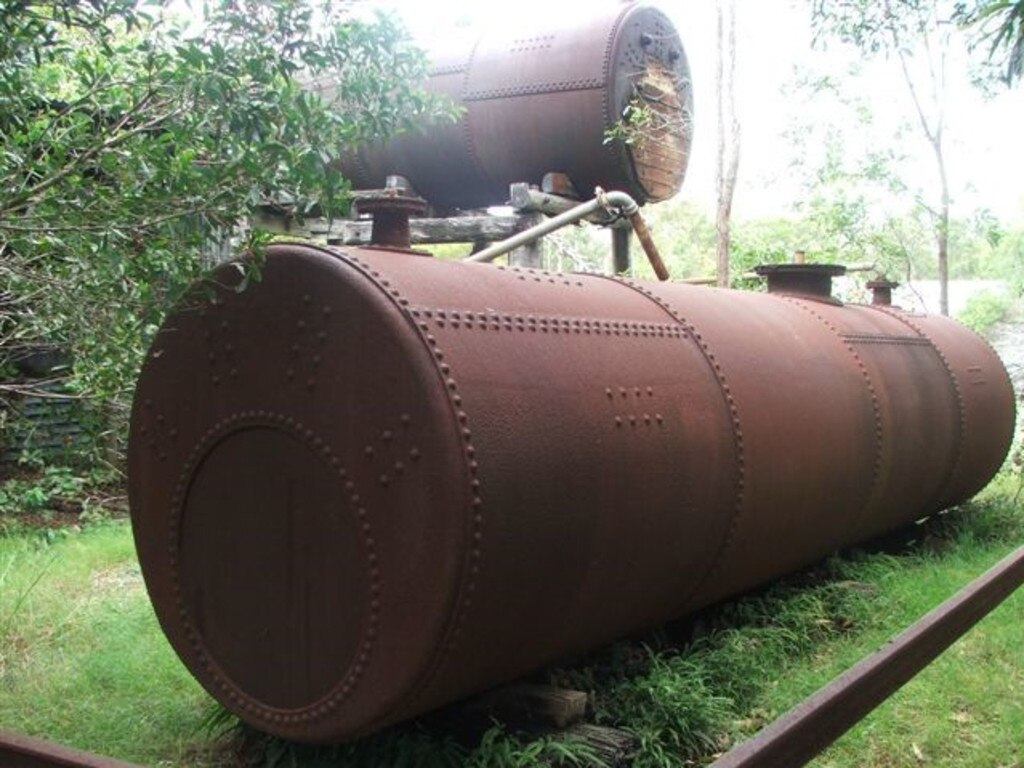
x,y
120,578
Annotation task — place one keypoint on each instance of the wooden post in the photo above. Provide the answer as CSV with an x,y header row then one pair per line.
x,y
530,255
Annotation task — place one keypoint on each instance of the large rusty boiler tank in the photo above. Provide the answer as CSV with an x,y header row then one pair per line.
x,y
373,482
538,94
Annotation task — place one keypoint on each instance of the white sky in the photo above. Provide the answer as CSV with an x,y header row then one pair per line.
x,y
985,151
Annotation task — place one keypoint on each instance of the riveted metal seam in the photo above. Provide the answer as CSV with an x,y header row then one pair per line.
x,y
846,341
961,407
239,699
617,148
468,319
448,69
467,132
872,338
730,403
534,89
471,563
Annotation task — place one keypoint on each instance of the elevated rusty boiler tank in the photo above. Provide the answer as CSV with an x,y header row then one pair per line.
x,y
374,482
539,94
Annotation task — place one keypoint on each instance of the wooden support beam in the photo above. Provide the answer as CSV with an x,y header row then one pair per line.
x,y
527,704
462,229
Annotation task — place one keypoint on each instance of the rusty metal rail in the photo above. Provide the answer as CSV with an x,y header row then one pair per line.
x,y
813,724
20,751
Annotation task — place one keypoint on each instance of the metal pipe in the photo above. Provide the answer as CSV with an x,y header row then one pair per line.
x,y
627,207
813,724
17,749
544,228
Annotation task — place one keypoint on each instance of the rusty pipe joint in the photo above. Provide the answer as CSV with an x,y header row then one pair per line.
x,y
615,202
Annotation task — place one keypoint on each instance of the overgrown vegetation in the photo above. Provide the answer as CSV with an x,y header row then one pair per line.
x,y
135,143
984,310
82,660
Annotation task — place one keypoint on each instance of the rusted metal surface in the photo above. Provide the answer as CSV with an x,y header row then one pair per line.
x,y
20,751
813,724
538,96
371,484
643,234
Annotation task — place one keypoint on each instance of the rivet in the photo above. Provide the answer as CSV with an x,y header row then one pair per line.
x,y
414,454
368,450
618,421
462,417
399,467
406,418
385,480
386,436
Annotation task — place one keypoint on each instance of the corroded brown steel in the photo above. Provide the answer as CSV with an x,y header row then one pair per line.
x,y
20,751
538,95
373,483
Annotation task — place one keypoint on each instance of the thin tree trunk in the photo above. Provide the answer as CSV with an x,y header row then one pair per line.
x,y
933,131
942,230
728,145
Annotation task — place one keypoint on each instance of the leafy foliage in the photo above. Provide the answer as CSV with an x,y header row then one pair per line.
x,y
133,148
1001,26
984,310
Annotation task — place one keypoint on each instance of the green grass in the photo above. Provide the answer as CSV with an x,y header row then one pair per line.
x,y
83,661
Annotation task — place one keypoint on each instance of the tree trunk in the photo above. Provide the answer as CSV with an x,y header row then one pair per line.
x,y
728,145
942,229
